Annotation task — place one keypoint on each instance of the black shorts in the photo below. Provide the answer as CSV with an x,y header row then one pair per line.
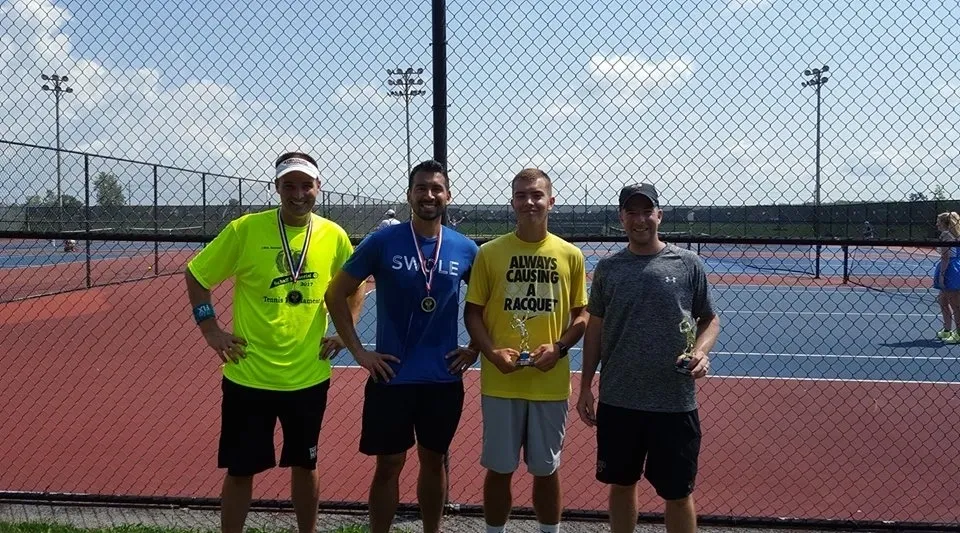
x,y
394,414
248,423
668,442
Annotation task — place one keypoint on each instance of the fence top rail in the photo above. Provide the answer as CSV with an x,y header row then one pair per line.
x,y
151,235
124,160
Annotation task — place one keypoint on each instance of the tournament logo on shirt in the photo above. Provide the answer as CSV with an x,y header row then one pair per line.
x,y
533,284
283,268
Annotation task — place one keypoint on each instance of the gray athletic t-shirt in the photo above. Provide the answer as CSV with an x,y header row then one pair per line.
x,y
642,300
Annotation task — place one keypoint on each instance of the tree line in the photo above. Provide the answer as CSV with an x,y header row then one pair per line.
x,y
107,192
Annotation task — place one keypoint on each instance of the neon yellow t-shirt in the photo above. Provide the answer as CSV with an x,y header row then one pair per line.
x,y
539,283
283,339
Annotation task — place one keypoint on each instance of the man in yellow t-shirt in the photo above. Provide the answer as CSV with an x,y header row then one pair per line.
x,y
276,361
525,308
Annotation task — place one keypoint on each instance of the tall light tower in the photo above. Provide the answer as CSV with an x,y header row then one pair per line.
x,y
57,89
817,81
408,79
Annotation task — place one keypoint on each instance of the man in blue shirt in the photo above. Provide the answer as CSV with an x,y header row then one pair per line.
x,y
415,390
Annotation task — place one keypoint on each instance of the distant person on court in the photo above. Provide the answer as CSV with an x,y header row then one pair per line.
x,y
652,326
415,390
389,219
454,221
946,276
525,309
867,230
276,361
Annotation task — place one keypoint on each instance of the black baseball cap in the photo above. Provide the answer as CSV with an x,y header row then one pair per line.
x,y
634,189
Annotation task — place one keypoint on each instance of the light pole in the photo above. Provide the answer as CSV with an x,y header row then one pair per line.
x,y
817,82
404,89
56,90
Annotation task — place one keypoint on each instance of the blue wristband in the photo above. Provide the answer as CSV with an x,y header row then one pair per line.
x,y
203,312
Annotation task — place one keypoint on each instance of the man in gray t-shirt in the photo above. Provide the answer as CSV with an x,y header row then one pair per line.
x,y
647,419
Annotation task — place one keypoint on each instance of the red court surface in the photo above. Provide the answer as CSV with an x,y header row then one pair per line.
x,y
112,391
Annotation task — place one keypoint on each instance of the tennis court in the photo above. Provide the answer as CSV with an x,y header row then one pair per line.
x,y
825,401
807,333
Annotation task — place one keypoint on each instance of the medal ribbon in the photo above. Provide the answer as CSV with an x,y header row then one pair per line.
x,y
436,256
294,272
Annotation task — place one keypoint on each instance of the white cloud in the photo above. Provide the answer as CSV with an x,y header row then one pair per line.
x,y
950,90
361,94
560,110
737,5
700,148
200,124
628,80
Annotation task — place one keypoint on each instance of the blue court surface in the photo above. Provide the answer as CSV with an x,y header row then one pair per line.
x,y
718,258
863,330
37,253
807,333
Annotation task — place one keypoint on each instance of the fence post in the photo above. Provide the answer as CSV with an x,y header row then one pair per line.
x,y
203,187
846,264
86,213
156,222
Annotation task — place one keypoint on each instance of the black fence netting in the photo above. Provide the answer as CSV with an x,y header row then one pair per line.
x,y
830,401
803,149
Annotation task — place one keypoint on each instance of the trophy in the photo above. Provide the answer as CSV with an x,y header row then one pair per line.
x,y
685,360
524,359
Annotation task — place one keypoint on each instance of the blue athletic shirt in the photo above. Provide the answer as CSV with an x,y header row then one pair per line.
x,y
421,340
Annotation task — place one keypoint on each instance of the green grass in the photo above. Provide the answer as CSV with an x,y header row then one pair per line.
x,y
47,527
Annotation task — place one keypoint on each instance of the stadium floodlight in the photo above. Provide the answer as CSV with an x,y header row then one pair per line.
x,y
57,89
817,82
404,89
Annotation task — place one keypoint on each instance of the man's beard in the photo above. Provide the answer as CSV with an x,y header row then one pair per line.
x,y
437,213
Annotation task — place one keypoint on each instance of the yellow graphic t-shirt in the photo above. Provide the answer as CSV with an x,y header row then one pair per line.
x,y
283,332
538,283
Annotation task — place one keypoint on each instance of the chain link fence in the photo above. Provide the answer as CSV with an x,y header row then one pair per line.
x,y
802,149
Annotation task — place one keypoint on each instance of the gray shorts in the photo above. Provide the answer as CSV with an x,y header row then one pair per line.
x,y
536,426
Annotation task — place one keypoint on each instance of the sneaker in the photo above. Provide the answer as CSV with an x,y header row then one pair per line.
x,y
944,334
954,338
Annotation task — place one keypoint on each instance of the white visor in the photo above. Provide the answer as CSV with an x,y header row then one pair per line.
x,y
296,164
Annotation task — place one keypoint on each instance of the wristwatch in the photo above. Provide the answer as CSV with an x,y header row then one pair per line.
x,y
562,348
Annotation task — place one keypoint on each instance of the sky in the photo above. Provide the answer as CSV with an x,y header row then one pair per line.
x,y
703,99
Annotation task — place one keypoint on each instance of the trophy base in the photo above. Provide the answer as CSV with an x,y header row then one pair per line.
x,y
524,359
682,366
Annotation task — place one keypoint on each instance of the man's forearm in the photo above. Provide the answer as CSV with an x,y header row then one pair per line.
x,y
356,303
575,330
479,337
707,332
591,353
343,320
199,295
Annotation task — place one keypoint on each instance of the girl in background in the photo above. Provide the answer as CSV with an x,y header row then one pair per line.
x,y
946,276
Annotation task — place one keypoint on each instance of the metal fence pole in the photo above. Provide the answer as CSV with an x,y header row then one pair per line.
x,y
86,214
156,222
439,26
203,186
846,264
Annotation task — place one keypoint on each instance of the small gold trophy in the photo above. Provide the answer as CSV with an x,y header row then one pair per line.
x,y
685,360
524,359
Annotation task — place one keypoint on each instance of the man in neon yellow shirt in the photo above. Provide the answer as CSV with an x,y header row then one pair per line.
x,y
276,361
525,308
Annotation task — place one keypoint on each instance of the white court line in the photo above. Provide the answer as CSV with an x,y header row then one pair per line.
x,y
908,382
841,356
807,288
765,378
806,355
855,314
